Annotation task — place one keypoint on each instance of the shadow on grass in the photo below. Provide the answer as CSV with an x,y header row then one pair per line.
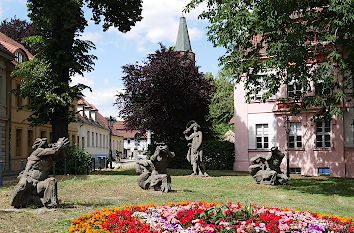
x,y
94,204
172,172
125,172
326,185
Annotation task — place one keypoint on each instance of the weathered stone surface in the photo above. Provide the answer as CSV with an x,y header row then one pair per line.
x,y
195,152
35,186
265,169
154,171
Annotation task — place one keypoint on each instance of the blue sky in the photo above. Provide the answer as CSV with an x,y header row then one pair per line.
x,y
115,49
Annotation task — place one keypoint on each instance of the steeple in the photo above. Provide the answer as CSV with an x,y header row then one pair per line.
x,y
183,43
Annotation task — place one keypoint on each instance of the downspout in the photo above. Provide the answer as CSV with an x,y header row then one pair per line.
x,y
10,123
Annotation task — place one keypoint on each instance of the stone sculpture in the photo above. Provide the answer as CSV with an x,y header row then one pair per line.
x,y
195,152
35,186
154,175
265,169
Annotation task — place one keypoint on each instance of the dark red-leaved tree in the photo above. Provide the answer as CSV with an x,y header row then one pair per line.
x,y
17,29
163,94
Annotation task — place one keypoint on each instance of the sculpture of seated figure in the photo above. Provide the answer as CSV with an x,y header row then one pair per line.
x,y
35,186
154,175
265,169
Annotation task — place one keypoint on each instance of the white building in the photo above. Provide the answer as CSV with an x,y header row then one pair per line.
x,y
93,131
135,143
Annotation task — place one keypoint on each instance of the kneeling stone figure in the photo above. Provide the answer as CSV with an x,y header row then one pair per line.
x,y
35,186
265,169
154,175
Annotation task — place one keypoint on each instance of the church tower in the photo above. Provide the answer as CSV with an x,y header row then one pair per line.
x,y
183,44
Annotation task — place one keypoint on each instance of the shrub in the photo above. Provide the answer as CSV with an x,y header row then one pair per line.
x,y
78,161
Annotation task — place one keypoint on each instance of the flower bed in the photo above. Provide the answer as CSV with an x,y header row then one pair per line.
x,y
209,217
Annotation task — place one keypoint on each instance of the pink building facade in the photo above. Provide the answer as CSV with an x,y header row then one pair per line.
x,y
325,148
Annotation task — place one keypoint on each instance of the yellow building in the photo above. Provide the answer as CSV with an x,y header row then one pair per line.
x,y
118,145
19,135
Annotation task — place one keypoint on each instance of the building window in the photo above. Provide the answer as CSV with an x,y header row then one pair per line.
x,y
43,134
29,141
83,142
295,135
101,140
104,141
50,137
18,142
295,170
262,140
128,141
323,134
324,171
96,139
294,90
18,57
322,89
88,138
73,139
93,140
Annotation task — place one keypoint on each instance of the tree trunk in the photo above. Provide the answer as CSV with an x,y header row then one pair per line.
x,y
60,125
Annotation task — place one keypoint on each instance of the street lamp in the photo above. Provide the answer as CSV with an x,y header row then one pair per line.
x,y
110,157
287,131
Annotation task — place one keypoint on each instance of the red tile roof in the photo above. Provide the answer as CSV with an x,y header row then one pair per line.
x,y
12,46
119,129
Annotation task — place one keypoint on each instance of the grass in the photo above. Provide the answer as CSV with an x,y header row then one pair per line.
x,y
83,194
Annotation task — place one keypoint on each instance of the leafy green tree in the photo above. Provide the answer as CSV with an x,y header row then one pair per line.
x,y
61,54
221,108
307,42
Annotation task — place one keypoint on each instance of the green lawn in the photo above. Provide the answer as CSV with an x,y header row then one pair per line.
x,y
82,194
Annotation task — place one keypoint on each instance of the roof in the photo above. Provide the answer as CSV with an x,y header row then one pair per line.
x,y
12,46
183,43
4,50
100,120
119,129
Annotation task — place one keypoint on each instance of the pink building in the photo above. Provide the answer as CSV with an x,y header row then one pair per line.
x,y
315,149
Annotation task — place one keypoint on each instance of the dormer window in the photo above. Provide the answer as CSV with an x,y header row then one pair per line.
x,y
18,57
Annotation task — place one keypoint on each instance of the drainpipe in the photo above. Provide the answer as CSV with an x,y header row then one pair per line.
x,y
10,124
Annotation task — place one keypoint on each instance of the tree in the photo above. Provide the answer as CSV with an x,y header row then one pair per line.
x,y
61,54
18,29
308,42
163,94
221,108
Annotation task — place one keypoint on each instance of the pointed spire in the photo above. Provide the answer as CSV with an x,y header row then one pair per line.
x,y
183,43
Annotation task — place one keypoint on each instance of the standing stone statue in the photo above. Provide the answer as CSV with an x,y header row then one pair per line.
x,y
35,186
265,169
154,175
195,152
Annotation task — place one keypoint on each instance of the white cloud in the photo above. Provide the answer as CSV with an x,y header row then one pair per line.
x,y
81,79
103,99
106,81
95,37
160,23
0,11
